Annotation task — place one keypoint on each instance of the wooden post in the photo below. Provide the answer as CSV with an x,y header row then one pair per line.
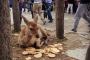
x,y
5,31
59,18
16,16
88,54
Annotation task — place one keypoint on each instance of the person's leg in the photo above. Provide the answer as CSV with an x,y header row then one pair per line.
x,y
24,6
35,12
86,18
86,15
45,13
71,9
65,5
68,8
77,16
40,10
49,12
40,13
29,7
32,10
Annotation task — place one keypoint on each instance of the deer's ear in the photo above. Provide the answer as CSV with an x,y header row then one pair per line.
x,y
25,20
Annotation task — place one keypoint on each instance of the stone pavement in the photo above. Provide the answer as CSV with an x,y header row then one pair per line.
x,y
78,53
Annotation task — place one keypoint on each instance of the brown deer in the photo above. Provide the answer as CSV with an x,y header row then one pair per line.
x,y
32,35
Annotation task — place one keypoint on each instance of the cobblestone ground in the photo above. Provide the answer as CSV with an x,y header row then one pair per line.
x,y
76,43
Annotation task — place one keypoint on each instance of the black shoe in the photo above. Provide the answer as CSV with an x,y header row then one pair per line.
x,y
74,30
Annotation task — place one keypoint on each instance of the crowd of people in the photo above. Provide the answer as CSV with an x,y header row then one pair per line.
x,y
37,7
71,6
45,6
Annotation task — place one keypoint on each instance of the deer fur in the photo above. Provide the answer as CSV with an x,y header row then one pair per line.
x,y
32,35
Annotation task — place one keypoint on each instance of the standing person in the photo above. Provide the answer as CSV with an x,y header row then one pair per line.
x,y
70,6
37,10
48,10
82,11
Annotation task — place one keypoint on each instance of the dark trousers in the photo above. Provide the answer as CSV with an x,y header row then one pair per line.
x,y
24,5
30,8
45,14
44,8
48,11
20,9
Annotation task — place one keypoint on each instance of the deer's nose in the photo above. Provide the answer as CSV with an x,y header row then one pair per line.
x,y
37,36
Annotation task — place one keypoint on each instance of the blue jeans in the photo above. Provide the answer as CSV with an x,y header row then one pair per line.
x,y
48,10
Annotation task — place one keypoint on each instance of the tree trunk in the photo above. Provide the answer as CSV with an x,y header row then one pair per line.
x,y
88,54
5,31
16,16
60,19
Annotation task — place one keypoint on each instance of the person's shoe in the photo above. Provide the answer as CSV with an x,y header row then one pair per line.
x,y
74,30
43,20
50,21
